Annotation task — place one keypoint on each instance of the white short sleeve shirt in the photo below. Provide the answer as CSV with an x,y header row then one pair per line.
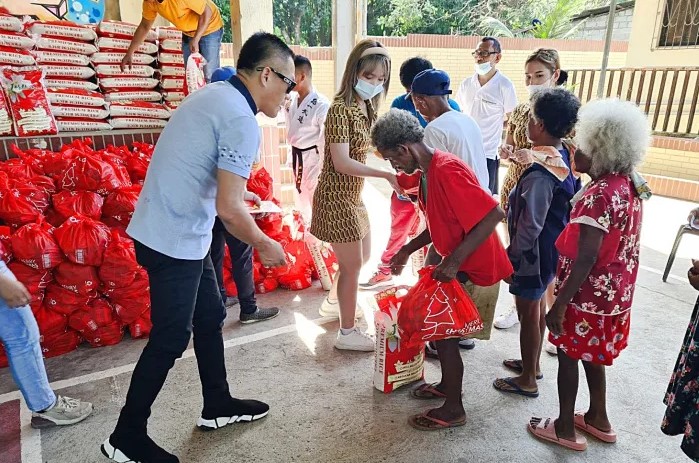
x,y
488,105
458,134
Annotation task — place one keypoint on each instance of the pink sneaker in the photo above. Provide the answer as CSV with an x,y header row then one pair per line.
x,y
378,280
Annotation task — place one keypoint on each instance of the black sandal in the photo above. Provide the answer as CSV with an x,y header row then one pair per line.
x,y
516,366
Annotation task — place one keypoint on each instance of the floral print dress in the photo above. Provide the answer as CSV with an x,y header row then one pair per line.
x,y
596,325
682,398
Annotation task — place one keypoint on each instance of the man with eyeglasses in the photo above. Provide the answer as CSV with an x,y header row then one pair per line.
x,y
489,97
199,170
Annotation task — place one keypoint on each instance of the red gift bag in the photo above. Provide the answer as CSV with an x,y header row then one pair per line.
x,y
432,311
395,363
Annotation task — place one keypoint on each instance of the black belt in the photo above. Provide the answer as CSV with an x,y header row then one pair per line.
x,y
297,163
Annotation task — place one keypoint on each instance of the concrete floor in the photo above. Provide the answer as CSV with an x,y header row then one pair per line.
x,y
324,408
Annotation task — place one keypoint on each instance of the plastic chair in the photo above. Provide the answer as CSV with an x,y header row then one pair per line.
x,y
684,229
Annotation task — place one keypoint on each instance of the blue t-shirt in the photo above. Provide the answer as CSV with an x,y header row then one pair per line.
x,y
214,128
406,103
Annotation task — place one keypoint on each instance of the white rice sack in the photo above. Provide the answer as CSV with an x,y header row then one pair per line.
x,y
70,72
75,97
65,45
81,125
16,57
16,40
82,112
115,57
141,83
67,29
136,123
132,95
70,83
107,43
139,109
60,58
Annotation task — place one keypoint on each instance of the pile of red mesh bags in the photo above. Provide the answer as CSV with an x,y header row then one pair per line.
x,y
171,66
82,274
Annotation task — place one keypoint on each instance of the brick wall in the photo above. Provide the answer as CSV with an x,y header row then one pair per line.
x,y
595,27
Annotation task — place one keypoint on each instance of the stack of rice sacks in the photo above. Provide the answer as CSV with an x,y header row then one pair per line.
x,y
134,102
171,66
14,51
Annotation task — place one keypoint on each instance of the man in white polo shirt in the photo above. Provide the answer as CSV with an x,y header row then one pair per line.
x,y
489,97
199,171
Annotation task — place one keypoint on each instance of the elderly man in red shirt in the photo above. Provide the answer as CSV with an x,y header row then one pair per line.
x,y
461,220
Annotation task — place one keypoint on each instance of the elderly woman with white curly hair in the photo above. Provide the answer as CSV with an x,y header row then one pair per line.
x,y
597,268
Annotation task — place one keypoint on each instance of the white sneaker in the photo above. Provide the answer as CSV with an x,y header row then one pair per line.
x,y
507,320
550,348
356,340
332,310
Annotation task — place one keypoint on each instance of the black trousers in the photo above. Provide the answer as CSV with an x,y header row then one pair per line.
x,y
241,256
493,171
185,299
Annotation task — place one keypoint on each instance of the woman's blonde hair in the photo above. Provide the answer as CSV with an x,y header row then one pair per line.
x,y
356,64
546,56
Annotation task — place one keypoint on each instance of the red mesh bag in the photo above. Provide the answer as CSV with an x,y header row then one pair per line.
x,y
83,240
53,217
272,226
120,168
56,344
5,253
64,301
44,183
141,327
4,361
260,183
17,169
49,321
81,279
300,267
432,311
90,173
69,203
119,267
35,246
257,271
131,302
267,286
137,165
19,206
35,281
229,283
121,203
55,164
96,314
106,335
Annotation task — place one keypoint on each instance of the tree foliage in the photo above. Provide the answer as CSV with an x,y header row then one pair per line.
x,y
309,22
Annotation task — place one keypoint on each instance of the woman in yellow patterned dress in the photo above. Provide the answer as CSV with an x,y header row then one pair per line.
x,y
339,215
541,70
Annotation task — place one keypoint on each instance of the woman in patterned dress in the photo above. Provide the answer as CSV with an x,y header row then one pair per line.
x,y
682,415
339,215
597,268
541,70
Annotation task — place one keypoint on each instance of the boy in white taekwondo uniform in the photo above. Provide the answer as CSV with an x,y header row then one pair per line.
x,y
305,119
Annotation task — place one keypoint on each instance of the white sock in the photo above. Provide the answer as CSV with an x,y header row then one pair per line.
x,y
346,331
330,301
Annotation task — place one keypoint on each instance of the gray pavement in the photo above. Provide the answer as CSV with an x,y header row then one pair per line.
x,y
324,408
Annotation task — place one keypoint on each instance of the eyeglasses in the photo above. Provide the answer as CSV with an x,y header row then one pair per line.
x,y
483,54
291,84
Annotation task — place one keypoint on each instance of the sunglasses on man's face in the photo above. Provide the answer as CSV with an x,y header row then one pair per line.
x,y
291,84
483,53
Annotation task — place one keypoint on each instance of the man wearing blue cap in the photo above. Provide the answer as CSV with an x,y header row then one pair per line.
x,y
449,131
241,254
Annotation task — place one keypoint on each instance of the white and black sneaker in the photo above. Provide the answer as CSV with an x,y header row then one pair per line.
x,y
260,315
238,411
136,450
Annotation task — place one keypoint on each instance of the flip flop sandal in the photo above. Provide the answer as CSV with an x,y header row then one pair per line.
x,y
509,386
427,391
545,430
605,436
424,422
516,366
431,351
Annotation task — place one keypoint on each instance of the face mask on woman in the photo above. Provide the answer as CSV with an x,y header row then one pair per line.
x,y
532,89
366,90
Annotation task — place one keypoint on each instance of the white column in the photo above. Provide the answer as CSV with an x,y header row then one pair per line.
x,y
345,32
248,17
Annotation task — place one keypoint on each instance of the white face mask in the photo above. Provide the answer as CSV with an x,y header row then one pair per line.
x,y
366,90
532,89
483,68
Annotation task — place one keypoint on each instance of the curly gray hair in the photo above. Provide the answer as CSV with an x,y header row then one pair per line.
x,y
614,133
396,127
